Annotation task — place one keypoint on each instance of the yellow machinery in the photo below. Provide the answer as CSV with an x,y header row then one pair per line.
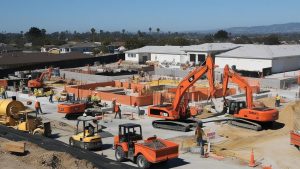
x,y
14,114
41,93
62,97
87,139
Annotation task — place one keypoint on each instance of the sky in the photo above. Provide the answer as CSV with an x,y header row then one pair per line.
x,y
134,15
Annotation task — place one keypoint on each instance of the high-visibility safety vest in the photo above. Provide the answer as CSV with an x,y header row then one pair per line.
x,y
37,104
117,108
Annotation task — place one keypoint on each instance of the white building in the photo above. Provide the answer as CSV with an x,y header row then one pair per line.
x,y
177,54
265,59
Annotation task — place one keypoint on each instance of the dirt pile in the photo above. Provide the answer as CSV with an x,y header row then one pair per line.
x,y
184,142
289,114
37,157
62,126
294,109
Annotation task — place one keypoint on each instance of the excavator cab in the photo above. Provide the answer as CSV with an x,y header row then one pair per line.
x,y
235,106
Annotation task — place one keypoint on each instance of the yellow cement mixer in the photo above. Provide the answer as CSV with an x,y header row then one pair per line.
x,y
14,114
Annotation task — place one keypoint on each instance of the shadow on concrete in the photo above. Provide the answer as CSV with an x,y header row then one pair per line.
x,y
170,164
54,136
106,146
105,134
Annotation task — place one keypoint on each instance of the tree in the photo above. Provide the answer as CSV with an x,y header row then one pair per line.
x,y
271,40
36,36
221,35
123,31
179,41
150,29
93,30
157,30
140,34
208,39
242,40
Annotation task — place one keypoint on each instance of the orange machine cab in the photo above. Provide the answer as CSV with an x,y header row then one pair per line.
x,y
261,114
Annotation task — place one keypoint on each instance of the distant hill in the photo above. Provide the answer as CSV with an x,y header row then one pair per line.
x,y
267,29
276,28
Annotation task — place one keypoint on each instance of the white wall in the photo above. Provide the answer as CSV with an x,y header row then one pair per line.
x,y
285,64
135,57
244,64
184,59
165,57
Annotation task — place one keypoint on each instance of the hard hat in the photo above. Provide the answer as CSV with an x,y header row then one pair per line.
x,y
200,123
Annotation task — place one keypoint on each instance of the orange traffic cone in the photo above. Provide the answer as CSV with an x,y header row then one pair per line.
x,y
267,167
252,161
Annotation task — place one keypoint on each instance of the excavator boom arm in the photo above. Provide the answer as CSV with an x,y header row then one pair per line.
x,y
49,72
191,79
239,81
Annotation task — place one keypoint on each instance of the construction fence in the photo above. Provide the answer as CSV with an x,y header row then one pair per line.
x,y
83,91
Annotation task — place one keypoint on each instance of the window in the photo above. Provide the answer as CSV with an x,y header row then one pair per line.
x,y
192,57
131,55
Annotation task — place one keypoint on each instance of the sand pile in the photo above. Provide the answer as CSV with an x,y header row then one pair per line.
x,y
184,142
294,108
40,158
289,114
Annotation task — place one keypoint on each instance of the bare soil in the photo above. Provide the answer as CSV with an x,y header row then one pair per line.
x,y
37,157
270,146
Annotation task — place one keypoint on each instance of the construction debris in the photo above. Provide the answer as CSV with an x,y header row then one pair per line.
x,y
15,147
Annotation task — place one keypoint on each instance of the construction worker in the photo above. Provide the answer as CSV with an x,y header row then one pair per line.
x,y
277,100
91,128
199,133
95,98
117,111
51,96
113,103
3,93
38,109
137,109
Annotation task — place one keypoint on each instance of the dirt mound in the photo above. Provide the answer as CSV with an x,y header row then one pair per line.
x,y
62,126
37,157
289,114
184,142
294,110
59,160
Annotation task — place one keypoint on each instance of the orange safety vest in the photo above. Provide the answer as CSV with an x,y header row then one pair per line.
x,y
117,108
37,104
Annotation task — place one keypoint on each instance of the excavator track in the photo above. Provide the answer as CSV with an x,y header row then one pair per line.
x,y
245,124
173,125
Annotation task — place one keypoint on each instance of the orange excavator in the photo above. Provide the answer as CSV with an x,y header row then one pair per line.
x,y
244,113
176,115
38,82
